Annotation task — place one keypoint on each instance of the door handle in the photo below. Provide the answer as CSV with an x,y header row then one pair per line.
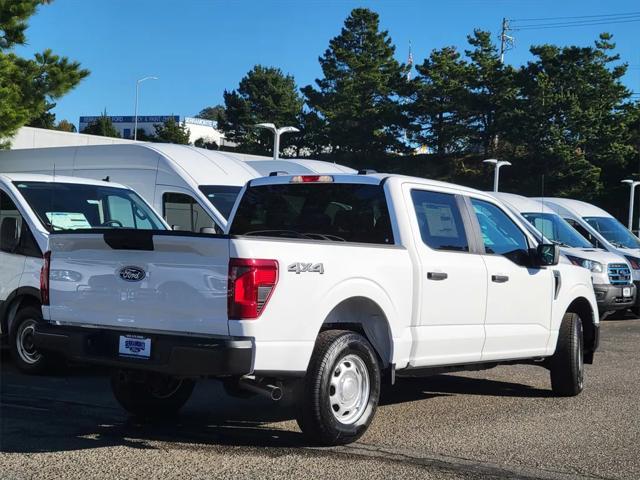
x,y
499,278
437,275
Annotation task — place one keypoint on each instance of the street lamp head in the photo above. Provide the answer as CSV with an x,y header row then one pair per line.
x,y
288,129
632,183
268,126
147,78
503,163
490,160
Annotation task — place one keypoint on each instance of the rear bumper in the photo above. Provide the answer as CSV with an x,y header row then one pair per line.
x,y
171,354
610,298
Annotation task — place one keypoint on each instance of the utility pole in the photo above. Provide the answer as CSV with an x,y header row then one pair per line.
x,y
505,40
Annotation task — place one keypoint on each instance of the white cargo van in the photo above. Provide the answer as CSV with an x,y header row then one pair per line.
x,y
610,272
602,230
33,206
193,188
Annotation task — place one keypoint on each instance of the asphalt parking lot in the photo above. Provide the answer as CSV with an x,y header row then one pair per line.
x,y
498,424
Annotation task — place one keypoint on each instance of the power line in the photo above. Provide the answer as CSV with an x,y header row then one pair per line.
x,y
573,24
605,15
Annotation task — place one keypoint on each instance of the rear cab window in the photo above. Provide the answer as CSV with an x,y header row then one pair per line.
x,y
71,206
340,212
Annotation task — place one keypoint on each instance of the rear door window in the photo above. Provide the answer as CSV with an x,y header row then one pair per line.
x,y
340,212
440,221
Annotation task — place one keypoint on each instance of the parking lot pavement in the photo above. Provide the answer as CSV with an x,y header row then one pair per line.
x,y
500,423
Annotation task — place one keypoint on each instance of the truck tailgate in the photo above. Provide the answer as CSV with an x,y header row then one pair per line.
x,y
140,280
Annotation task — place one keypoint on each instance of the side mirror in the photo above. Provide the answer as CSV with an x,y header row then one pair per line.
x,y
547,254
176,228
208,230
9,234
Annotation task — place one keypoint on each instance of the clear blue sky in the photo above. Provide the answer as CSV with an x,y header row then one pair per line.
x,y
199,48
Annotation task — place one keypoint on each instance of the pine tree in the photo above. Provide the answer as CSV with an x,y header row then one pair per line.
x,y
265,94
491,91
171,132
28,87
440,106
102,126
359,97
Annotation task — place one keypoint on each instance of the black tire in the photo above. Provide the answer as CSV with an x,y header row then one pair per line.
x,y
567,363
152,395
26,357
635,310
343,355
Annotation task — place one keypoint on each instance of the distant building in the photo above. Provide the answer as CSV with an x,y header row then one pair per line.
x,y
199,128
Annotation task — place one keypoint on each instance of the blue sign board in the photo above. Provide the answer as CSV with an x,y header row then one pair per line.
x,y
131,119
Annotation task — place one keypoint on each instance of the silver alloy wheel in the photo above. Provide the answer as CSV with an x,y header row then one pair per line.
x,y
349,389
24,342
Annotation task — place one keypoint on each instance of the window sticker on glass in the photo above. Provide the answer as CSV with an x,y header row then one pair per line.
x,y
440,220
68,220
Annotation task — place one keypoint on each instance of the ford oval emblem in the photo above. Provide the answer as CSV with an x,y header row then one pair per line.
x,y
132,274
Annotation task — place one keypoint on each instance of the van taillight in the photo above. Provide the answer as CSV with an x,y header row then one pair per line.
x,y
251,284
44,278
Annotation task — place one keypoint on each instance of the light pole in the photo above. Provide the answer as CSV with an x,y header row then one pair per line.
x,y
276,135
135,121
633,184
496,174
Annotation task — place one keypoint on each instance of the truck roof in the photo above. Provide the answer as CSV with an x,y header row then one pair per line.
x,y
38,177
577,207
372,179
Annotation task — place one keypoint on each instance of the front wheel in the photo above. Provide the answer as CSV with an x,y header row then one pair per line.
x,y
150,394
567,363
341,389
25,355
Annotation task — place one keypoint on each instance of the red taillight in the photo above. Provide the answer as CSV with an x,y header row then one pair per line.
x,y
44,278
312,179
251,283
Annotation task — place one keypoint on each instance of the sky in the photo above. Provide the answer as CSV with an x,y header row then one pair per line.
x,y
199,48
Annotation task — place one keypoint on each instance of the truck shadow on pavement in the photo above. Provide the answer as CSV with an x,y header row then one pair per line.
x,y
77,412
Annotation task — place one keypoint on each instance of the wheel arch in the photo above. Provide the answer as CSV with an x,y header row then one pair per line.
x,y
18,298
364,315
583,308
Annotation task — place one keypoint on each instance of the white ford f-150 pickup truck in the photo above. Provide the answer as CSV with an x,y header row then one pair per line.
x,y
323,288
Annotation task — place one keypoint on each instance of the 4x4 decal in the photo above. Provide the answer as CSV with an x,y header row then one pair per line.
x,y
299,268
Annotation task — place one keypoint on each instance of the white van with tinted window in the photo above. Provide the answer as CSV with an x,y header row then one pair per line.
x,y
602,230
194,189
33,206
610,272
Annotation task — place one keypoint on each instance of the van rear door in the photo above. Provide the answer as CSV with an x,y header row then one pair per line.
x,y
139,280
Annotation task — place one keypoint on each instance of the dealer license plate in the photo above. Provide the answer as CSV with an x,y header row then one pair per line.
x,y
134,346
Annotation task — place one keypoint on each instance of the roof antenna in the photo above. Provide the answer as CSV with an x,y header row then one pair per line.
x,y
106,179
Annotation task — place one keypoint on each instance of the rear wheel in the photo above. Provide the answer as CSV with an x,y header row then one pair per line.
x,y
150,394
26,357
567,364
341,389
